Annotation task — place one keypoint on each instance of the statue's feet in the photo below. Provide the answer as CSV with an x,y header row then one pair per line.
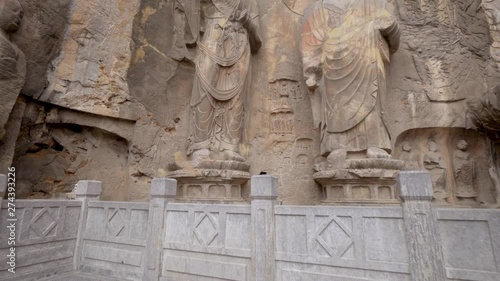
x,y
200,155
337,159
233,156
377,153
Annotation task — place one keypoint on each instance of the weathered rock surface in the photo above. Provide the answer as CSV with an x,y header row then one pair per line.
x,y
113,80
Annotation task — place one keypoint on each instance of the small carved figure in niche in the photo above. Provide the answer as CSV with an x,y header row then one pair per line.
x,y
346,47
410,158
464,171
12,60
230,33
434,164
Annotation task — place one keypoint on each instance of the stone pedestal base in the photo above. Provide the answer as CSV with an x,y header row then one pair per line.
x,y
215,181
361,182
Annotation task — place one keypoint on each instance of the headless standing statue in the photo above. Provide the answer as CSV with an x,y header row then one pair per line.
x,y
346,47
222,79
12,60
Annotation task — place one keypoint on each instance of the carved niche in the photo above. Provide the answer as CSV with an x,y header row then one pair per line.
x,y
459,162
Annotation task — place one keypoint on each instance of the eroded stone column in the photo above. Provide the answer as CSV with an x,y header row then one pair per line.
x,y
264,192
163,191
421,226
85,191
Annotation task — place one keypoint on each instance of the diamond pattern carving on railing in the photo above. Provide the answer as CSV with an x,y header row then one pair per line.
x,y
42,223
206,229
116,222
334,228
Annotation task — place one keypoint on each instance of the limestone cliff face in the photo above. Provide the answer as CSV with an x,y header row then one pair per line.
x,y
89,72
108,88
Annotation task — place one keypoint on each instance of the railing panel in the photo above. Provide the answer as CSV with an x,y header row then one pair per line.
x,y
114,239
340,243
46,232
211,242
471,243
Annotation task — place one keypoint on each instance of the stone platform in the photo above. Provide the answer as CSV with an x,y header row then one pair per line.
x,y
210,180
363,181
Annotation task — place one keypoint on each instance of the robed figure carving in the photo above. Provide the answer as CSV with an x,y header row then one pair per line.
x,y
346,47
12,60
228,36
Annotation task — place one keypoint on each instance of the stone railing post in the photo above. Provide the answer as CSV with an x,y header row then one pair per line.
x,y
85,191
3,187
421,226
264,192
162,191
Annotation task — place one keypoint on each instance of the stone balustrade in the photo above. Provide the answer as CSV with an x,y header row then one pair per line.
x,y
167,240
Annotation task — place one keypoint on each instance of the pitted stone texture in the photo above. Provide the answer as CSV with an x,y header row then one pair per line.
x,y
89,73
41,37
55,156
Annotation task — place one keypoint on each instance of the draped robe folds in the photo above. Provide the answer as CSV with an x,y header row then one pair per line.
x,y
222,74
346,47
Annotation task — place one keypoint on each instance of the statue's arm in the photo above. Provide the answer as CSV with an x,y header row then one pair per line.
x,y
192,13
253,28
312,44
248,15
392,34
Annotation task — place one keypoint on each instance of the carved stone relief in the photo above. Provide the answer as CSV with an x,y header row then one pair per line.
x,y
339,41
433,162
230,34
458,161
283,95
12,60
410,158
273,124
346,48
464,170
